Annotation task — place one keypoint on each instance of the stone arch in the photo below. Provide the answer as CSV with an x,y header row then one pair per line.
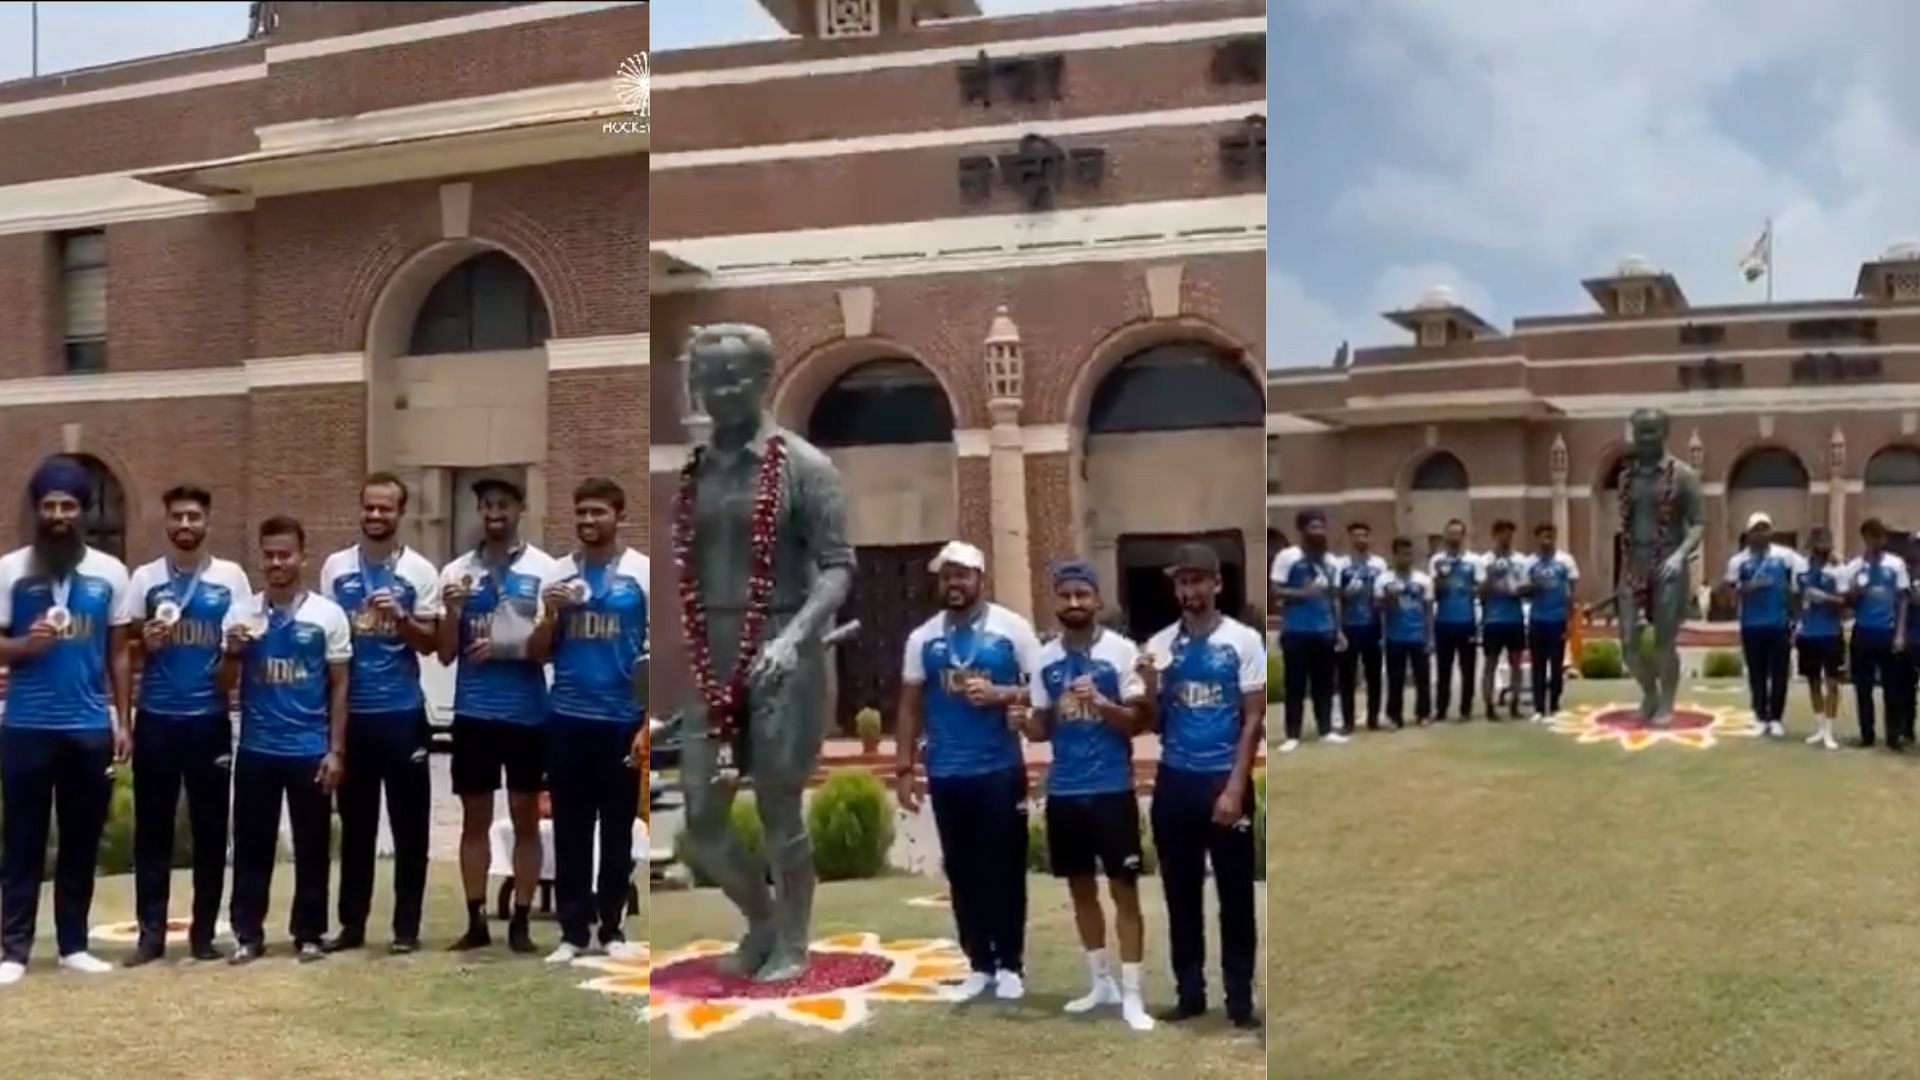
x,y
1770,478
390,318
110,516
1890,488
799,386
1434,488
1134,338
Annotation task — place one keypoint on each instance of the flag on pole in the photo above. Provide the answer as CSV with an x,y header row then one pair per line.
x,y
1758,261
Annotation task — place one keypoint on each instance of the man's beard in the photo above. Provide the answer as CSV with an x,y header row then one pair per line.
x,y
957,599
58,551
1076,619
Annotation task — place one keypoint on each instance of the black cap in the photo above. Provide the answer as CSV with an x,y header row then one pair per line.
x,y
493,483
1195,558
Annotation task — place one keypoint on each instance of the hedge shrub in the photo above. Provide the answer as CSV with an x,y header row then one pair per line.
x,y
1601,659
851,823
745,820
1276,677
1723,664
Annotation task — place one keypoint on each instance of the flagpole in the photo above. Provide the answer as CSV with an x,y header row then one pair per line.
x,y
1771,240
34,11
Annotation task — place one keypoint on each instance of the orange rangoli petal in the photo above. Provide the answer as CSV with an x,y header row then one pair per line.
x,y
830,1009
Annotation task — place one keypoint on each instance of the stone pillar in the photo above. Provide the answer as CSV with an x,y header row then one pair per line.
x,y
1836,489
1562,516
1011,555
1697,573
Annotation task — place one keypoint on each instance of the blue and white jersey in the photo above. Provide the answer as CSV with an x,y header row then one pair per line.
x,y
285,706
1359,578
997,645
1553,578
1503,572
1089,756
1821,622
1293,568
597,645
181,677
507,691
1454,577
1772,574
1875,586
386,670
1405,598
65,688
1201,683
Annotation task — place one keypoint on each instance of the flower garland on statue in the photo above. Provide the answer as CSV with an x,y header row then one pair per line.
x,y
1640,579
727,702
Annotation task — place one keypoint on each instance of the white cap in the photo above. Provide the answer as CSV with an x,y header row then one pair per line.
x,y
959,553
1758,519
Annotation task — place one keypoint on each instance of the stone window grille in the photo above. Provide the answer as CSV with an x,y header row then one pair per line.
x,y
849,18
1633,302
1433,333
1904,285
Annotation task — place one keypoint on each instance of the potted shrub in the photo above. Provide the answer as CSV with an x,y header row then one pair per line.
x,y
866,724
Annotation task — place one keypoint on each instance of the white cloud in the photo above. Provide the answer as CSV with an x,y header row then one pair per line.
x,y
1301,331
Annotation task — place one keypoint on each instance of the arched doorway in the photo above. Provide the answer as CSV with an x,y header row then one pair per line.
x,y
1436,493
457,388
1174,453
1769,480
106,516
1892,489
888,425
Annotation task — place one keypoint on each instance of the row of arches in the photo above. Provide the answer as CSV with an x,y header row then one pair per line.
x,y
1763,468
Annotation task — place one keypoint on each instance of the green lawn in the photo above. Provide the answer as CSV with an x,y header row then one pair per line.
x,y
1489,901
424,1017
935,1041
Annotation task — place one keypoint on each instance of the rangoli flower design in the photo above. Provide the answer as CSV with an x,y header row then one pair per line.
x,y
1694,726
937,900
128,933
848,973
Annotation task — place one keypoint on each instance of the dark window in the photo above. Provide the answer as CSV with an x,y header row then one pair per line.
x,y
83,286
486,304
1769,467
882,403
106,517
1273,465
1702,334
1179,386
1896,466
1440,472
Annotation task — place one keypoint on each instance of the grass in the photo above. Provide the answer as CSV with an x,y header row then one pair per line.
x,y
1490,901
905,1041
430,1016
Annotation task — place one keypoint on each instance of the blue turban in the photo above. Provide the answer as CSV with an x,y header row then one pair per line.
x,y
63,475
1075,570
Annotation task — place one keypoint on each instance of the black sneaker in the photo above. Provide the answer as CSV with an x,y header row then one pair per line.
x,y
476,937
246,954
519,938
345,941
146,953
310,951
204,951
404,946
1185,1010
1244,1020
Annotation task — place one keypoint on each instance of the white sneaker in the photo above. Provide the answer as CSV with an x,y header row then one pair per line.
x,y
11,972
1827,740
1290,746
975,985
1104,992
1335,738
1134,1012
624,950
1008,986
565,954
1537,718
85,963
1779,729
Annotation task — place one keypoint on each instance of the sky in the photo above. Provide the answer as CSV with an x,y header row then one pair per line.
x,y
685,24
1509,148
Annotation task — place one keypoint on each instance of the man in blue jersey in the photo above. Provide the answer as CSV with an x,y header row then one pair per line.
x,y
1762,576
1405,597
63,637
1498,581
594,631
290,653
1877,585
1822,590
1089,702
491,597
1548,578
1360,573
391,596
964,670
1210,707
1306,581
1455,572
184,727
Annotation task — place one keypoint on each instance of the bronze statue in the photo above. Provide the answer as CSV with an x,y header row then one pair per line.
x,y
759,536
1662,520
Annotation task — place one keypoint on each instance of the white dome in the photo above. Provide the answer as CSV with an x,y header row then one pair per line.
x,y
1904,251
1636,266
1440,296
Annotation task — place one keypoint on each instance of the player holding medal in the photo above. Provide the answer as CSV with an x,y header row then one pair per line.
x,y
63,635
594,631
962,678
391,596
1877,585
183,736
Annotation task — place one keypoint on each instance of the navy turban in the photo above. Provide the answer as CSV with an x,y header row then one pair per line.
x,y
63,475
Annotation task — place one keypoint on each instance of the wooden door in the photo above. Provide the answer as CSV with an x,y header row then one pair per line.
x,y
1146,593
893,592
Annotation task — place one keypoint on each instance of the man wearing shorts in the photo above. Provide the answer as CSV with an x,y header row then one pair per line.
x,y
1819,633
492,600
1087,702
1499,577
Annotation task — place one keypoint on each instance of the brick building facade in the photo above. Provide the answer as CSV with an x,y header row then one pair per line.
x,y
373,235
1808,411
1014,268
